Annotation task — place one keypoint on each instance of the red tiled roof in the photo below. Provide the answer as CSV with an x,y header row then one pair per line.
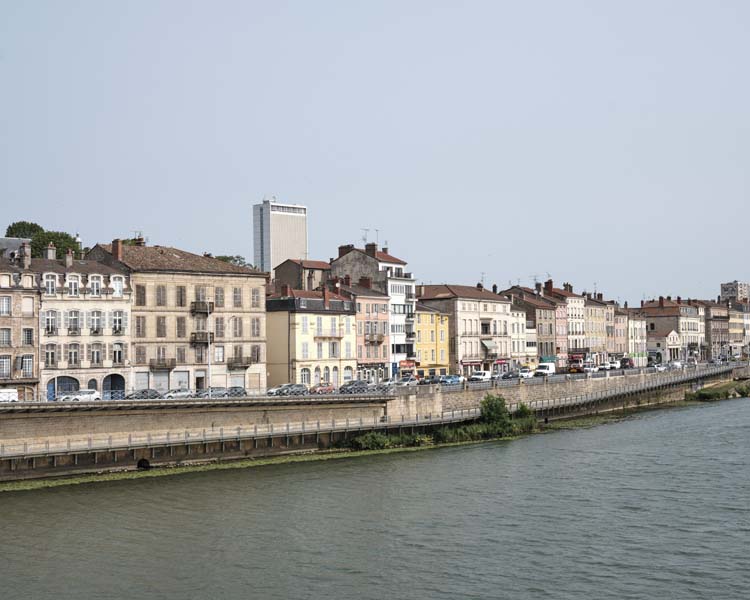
x,y
444,291
380,255
308,294
311,264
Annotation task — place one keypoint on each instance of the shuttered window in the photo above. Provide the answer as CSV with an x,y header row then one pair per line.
x,y
161,295
181,327
219,297
140,295
180,296
161,327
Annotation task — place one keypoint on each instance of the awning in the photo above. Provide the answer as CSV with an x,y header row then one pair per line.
x,y
489,344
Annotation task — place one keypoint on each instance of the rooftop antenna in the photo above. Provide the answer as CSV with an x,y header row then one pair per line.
x,y
595,288
482,278
364,235
377,236
535,278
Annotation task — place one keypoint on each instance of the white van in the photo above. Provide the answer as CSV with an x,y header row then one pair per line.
x,y
8,395
480,376
545,369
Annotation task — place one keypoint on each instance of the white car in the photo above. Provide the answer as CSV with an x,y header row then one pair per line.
x,y
660,368
180,393
590,368
526,373
82,396
408,381
615,364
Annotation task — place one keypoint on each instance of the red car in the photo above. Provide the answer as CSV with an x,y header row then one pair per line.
x,y
323,388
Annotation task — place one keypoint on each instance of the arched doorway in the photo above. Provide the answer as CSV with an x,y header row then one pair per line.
x,y
113,387
59,386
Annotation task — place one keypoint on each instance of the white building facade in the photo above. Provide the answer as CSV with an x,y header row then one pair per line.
x,y
279,234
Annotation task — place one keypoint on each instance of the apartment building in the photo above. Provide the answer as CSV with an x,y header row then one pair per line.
x,y
84,327
540,321
373,327
19,326
665,316
716,328
388,275
595,328
279,233
195,319
735,291
574,319
479,324
311,337
300,274
736,312
637,348
433,349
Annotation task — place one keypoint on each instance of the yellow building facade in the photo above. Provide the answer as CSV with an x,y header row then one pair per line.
x,y
312,338
431,341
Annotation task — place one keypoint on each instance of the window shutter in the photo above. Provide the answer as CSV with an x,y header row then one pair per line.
x,y
110,318
65,318
88,320
124,320
124,352
64,352
109,351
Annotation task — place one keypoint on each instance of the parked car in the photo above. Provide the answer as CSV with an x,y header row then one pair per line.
x,y
323,388
355,386
429,380
450,380
627,363
288,389
180,393
525,373
511,375
605,366
216,392
615,363
82,396
675,364
237,391
576,366
480,376
408,381
146,394
660,368
590,367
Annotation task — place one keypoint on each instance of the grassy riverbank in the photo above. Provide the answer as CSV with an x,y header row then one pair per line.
x,y
444,437
720,391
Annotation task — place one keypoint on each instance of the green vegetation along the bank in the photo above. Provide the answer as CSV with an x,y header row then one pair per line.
x,y
495,423
730,389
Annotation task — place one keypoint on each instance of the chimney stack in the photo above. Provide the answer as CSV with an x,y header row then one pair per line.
x,y
661,301
538,288
365,282
669,298
642,303
480,286
385,249
51,252
600,297
494,288
626,304
69,258
117,250
347,280
371,249
679,300
26,255
345,249
326,298
548,285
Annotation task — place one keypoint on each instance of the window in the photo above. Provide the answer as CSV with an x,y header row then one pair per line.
x,y
181,354
5,305
219,354
180,295
237,297
140,354
442,335
28,337
50,285
95,354
255,298
117,286
319,349
200,354
96,322
359,351
50,355
5,367
219,327
333,349
50,322
73,285
255,353
118,353
238,351
95,285
161,295
5,337
319,326
348,350
219,297
140,295
305,350
304,376
237,327
140,327
200,293
27,365
27,305
442,356
304,323
348,374
74,322
74,355
255,323
161,327
118,322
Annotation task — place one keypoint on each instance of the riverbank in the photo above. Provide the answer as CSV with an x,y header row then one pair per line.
x,y
337,454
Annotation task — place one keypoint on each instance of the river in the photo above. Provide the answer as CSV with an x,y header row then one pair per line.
x,y
653,506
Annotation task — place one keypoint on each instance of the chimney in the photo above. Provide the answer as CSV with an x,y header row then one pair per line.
x,y
494,288
642,303
365,282
548,285
371,249
285,289
140,241
26,255
718,299
480,286
600,296
679,300
345,249
117,249
661,301
626,304
385,249
420,291
538,288
326,298
669,298
347,280
51,252
69,258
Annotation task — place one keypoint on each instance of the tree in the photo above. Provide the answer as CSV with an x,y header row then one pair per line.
x,y
60,239
236,260
23,229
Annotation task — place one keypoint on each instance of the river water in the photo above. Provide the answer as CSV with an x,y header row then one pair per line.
x,y
655,506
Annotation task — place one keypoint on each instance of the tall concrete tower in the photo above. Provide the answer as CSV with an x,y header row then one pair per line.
x,y
279,233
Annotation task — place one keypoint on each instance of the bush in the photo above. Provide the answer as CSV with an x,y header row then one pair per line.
x,y
372,441
522,412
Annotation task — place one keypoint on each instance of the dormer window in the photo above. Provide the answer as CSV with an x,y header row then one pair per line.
x,y
73,285
117,287
50,285
95,285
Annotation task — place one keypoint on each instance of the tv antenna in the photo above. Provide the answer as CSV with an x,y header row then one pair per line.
x,y
377,236
365,231
482,278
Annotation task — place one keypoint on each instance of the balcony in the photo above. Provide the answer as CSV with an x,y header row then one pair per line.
x,y
117,331
329,333
374,338
201,337
95,331
239,362
50,330
74,331
200,307
162,364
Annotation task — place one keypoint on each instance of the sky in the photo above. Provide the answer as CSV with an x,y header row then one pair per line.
x,y
602,143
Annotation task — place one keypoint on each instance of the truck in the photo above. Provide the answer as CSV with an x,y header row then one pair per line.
x,y
480,376
544,369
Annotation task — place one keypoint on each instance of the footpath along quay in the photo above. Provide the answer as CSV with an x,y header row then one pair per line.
x,y
39,456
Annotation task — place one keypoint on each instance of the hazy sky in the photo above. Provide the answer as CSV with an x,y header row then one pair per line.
x,y
597,141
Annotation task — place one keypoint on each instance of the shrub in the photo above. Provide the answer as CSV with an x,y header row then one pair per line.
x,y
494,409
522,412
371,441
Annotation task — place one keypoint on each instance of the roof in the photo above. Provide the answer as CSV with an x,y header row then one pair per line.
x,y
166,258
428,309
360,290
308,294
379,255
447,291
44,265
563,293
309,264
